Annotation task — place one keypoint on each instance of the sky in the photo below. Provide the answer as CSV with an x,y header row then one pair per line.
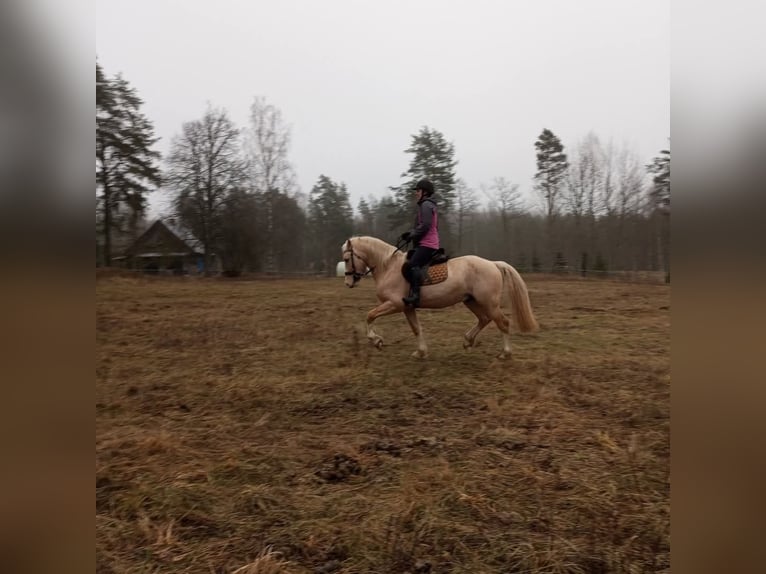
x,y
356,79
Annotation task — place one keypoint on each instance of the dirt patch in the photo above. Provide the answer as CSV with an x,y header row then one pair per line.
x,y
339,469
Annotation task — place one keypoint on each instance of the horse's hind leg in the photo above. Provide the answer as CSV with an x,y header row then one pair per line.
x,y
504,324
469,338
412,319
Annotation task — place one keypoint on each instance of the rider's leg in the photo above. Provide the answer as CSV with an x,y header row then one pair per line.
x,y
419,259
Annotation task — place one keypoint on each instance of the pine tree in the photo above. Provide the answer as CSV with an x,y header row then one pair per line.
x,y
330,220
126,164
560,264
551,173
384,213
536,265
433,158
660,199
660,168
366,222
552,167
239,236
282,225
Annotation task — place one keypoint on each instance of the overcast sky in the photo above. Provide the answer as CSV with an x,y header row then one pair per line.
x,y
356,79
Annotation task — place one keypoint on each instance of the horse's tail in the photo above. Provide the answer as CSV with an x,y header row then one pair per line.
x,y
520,304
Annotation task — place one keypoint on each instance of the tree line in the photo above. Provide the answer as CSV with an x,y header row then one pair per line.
x,y
234,190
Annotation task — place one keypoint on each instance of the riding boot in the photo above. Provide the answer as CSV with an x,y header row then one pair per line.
x,y
416,278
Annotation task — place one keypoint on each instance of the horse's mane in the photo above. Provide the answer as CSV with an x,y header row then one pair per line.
x,y
378,250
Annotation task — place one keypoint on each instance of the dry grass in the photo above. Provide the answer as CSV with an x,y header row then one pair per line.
x,y
248,427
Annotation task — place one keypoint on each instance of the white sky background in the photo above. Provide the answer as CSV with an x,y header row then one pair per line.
x,y
356,79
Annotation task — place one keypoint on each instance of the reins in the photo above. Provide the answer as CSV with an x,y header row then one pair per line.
x,y
399,245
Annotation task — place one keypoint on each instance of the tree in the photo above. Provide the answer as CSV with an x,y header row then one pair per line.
x,y
284,248
366,222
126,168
660,169
433,158
330,221
629,187
466,204
205,167
584,178
385,211
267,142
581,194
505,200
240,237
552,168
629,198
660,199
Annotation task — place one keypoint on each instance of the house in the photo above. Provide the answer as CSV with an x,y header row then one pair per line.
x,y
160,250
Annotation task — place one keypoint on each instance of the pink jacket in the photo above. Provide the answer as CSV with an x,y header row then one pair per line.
x,y
426,231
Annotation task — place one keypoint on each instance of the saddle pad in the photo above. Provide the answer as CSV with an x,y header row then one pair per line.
x,y
436,274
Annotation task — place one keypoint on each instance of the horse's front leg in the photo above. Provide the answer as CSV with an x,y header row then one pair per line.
x,y
385,308
412,319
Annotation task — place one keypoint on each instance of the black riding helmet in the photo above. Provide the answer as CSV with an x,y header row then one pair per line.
x,y
426,187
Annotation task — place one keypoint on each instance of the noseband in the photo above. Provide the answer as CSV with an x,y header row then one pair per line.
x,y
354,272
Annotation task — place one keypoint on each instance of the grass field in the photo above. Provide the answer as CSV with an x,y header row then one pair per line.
x,y
248,426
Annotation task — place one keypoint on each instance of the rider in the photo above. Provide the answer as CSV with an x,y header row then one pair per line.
x,y
424,237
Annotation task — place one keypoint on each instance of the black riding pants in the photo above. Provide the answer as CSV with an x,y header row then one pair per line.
x,y
422,256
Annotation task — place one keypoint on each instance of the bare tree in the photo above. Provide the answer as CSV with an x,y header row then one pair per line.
x,y
582,196
584,177
631,184
629,196
267,142
504,200
466,204
204,167
606,202
504,196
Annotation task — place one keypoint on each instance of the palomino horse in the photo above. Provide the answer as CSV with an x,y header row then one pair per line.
x,y
471,280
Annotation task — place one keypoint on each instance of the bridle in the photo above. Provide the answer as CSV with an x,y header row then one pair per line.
x,y
354,272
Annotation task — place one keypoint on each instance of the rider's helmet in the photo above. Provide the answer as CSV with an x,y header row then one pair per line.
x,y
426,187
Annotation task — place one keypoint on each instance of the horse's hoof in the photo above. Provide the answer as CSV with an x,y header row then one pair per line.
x,y
504,355
379,344
420,354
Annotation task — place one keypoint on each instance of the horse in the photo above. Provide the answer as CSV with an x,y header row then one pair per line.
x,y
471,280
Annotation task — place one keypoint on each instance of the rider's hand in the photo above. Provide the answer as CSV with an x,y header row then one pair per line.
x,y
405,236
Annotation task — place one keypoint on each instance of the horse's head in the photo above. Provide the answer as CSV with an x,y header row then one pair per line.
x,y
356,266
